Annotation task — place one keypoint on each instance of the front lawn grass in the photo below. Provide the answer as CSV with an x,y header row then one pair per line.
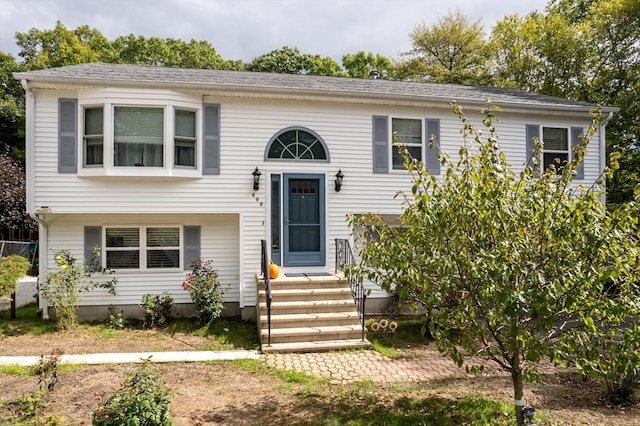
x,y
225,333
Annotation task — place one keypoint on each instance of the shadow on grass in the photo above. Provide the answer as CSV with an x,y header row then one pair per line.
x,y
27,321
355,405
225,333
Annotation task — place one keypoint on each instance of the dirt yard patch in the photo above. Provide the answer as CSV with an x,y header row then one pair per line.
x,y
250,394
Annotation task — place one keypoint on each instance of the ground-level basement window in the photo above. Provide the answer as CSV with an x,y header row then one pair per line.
x,y
144,247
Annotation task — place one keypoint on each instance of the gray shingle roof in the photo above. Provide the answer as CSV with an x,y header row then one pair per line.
x,y
99,73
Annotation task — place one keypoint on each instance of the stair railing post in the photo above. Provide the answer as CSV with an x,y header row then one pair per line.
x,y
267,283
344,255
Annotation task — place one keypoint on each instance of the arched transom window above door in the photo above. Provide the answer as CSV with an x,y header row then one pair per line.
x,y
296,143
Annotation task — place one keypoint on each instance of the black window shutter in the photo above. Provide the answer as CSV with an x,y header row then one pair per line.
x,y
211,139
380,144
67,135
533,131
92,240
575,140
432,127
191,245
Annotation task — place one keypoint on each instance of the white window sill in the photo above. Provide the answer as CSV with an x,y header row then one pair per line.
x,y
152,172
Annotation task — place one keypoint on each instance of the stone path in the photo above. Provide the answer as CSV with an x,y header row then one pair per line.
x,y
345,367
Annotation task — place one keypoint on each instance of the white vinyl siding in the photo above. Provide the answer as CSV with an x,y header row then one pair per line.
x,y
219,242
233,217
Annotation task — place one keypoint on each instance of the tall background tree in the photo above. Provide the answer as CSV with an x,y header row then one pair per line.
x,y
586,50
361,64
453,50
289,60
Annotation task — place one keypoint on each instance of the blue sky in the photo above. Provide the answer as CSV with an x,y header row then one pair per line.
x,y
244,29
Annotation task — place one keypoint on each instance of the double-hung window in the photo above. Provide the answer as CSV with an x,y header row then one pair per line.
x,y
93,136
152,247
555,147
407,132
185,138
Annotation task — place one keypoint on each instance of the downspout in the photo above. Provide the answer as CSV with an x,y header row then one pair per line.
x,y
603,152
43,243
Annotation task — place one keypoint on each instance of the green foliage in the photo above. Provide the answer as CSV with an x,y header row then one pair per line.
x,y
289,60
116,320
142,401
12,268
360,65
613,354
453,50
587,50
158,309
12,112
205,290
65,286
504,263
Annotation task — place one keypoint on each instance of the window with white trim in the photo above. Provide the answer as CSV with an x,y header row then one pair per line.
x,y
142,248
185,140
93,145
407,132
555,150
138,136
128,139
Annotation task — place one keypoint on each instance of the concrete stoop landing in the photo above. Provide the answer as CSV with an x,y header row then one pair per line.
x,y
309,313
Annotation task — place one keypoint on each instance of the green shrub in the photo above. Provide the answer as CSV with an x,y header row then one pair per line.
x,y
205,291
116,320
12,268
158,309
614,355
64,286
143,400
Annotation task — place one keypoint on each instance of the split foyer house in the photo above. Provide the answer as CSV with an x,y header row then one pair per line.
x,y
160,166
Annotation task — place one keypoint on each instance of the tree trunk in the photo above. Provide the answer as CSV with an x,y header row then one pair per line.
x,y
518,389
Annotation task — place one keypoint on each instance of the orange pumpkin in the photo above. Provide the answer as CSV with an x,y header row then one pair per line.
x,y
274,271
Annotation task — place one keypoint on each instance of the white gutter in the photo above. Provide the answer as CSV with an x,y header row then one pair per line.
x,y
603,152
30,146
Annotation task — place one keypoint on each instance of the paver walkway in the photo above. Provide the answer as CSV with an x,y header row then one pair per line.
x,y
345,367
340,367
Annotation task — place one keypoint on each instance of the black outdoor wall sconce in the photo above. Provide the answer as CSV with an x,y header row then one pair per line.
x,y
256,179
339,177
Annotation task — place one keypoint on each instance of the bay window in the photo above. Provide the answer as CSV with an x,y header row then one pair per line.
x,y
146,133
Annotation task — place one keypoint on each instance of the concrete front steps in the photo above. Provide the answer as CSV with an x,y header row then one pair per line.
x,y
309,314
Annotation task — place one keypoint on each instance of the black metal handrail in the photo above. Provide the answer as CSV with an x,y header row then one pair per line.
x,y
264,262
344,260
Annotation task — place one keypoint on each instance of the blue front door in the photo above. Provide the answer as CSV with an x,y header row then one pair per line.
x,y
303,220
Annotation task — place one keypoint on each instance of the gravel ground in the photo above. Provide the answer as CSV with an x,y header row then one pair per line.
x,y
24,293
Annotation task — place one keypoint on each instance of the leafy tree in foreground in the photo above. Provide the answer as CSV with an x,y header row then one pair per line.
x,y
505,264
